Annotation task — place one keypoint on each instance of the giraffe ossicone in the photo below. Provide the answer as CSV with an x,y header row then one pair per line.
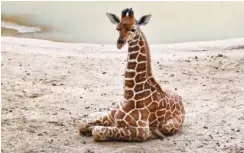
x,y
148,111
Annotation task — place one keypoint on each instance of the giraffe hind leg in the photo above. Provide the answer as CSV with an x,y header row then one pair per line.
x,y
102,133
171,127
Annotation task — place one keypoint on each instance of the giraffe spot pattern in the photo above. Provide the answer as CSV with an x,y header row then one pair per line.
x,y
130,74
136,37
153,107
135,114
141,67
154,123
167,115
173,107
138,87
144,114
141,43
147,101
133,43
152,117
143,50
133,132
161,119
146,86
128,94
131,65
177,106
161,104
142,94
134,56
141,132
139,103
152,90
129,83
121,123
161,112
141,124
141,58
167,106
128,106
140,77
130,121
112,113
155,96
131,49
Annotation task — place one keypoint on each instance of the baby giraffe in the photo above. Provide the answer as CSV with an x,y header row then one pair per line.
x,y
147,111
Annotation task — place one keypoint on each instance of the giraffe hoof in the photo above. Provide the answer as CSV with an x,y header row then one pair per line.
x,y
97,134
85,130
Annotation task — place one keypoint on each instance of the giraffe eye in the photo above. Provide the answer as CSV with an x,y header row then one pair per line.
x,y
133,30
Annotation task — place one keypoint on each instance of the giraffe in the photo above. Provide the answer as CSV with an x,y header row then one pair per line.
x,y
147,110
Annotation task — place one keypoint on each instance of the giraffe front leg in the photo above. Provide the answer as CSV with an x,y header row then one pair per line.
x,y
139,134
87,124
85,127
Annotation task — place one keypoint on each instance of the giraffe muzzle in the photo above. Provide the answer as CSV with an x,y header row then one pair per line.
x,y
120,43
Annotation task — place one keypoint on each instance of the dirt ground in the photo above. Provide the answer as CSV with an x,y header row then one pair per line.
x,y
48,87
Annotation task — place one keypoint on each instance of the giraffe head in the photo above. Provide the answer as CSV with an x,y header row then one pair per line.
x,y
127,26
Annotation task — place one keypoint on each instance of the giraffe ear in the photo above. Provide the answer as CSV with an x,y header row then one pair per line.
x,y
144,19
113,18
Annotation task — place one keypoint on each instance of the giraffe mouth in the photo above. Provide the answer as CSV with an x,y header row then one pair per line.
x,y
119,46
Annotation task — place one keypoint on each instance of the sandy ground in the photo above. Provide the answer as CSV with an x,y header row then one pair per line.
x,y
48,87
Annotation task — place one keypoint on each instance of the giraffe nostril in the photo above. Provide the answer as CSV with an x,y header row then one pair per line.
x,y
120,41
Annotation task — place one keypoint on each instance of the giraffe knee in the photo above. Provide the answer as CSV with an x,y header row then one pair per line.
x,y
171,127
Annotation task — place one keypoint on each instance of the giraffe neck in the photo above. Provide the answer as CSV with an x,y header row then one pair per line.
x,y
139,46
138,69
